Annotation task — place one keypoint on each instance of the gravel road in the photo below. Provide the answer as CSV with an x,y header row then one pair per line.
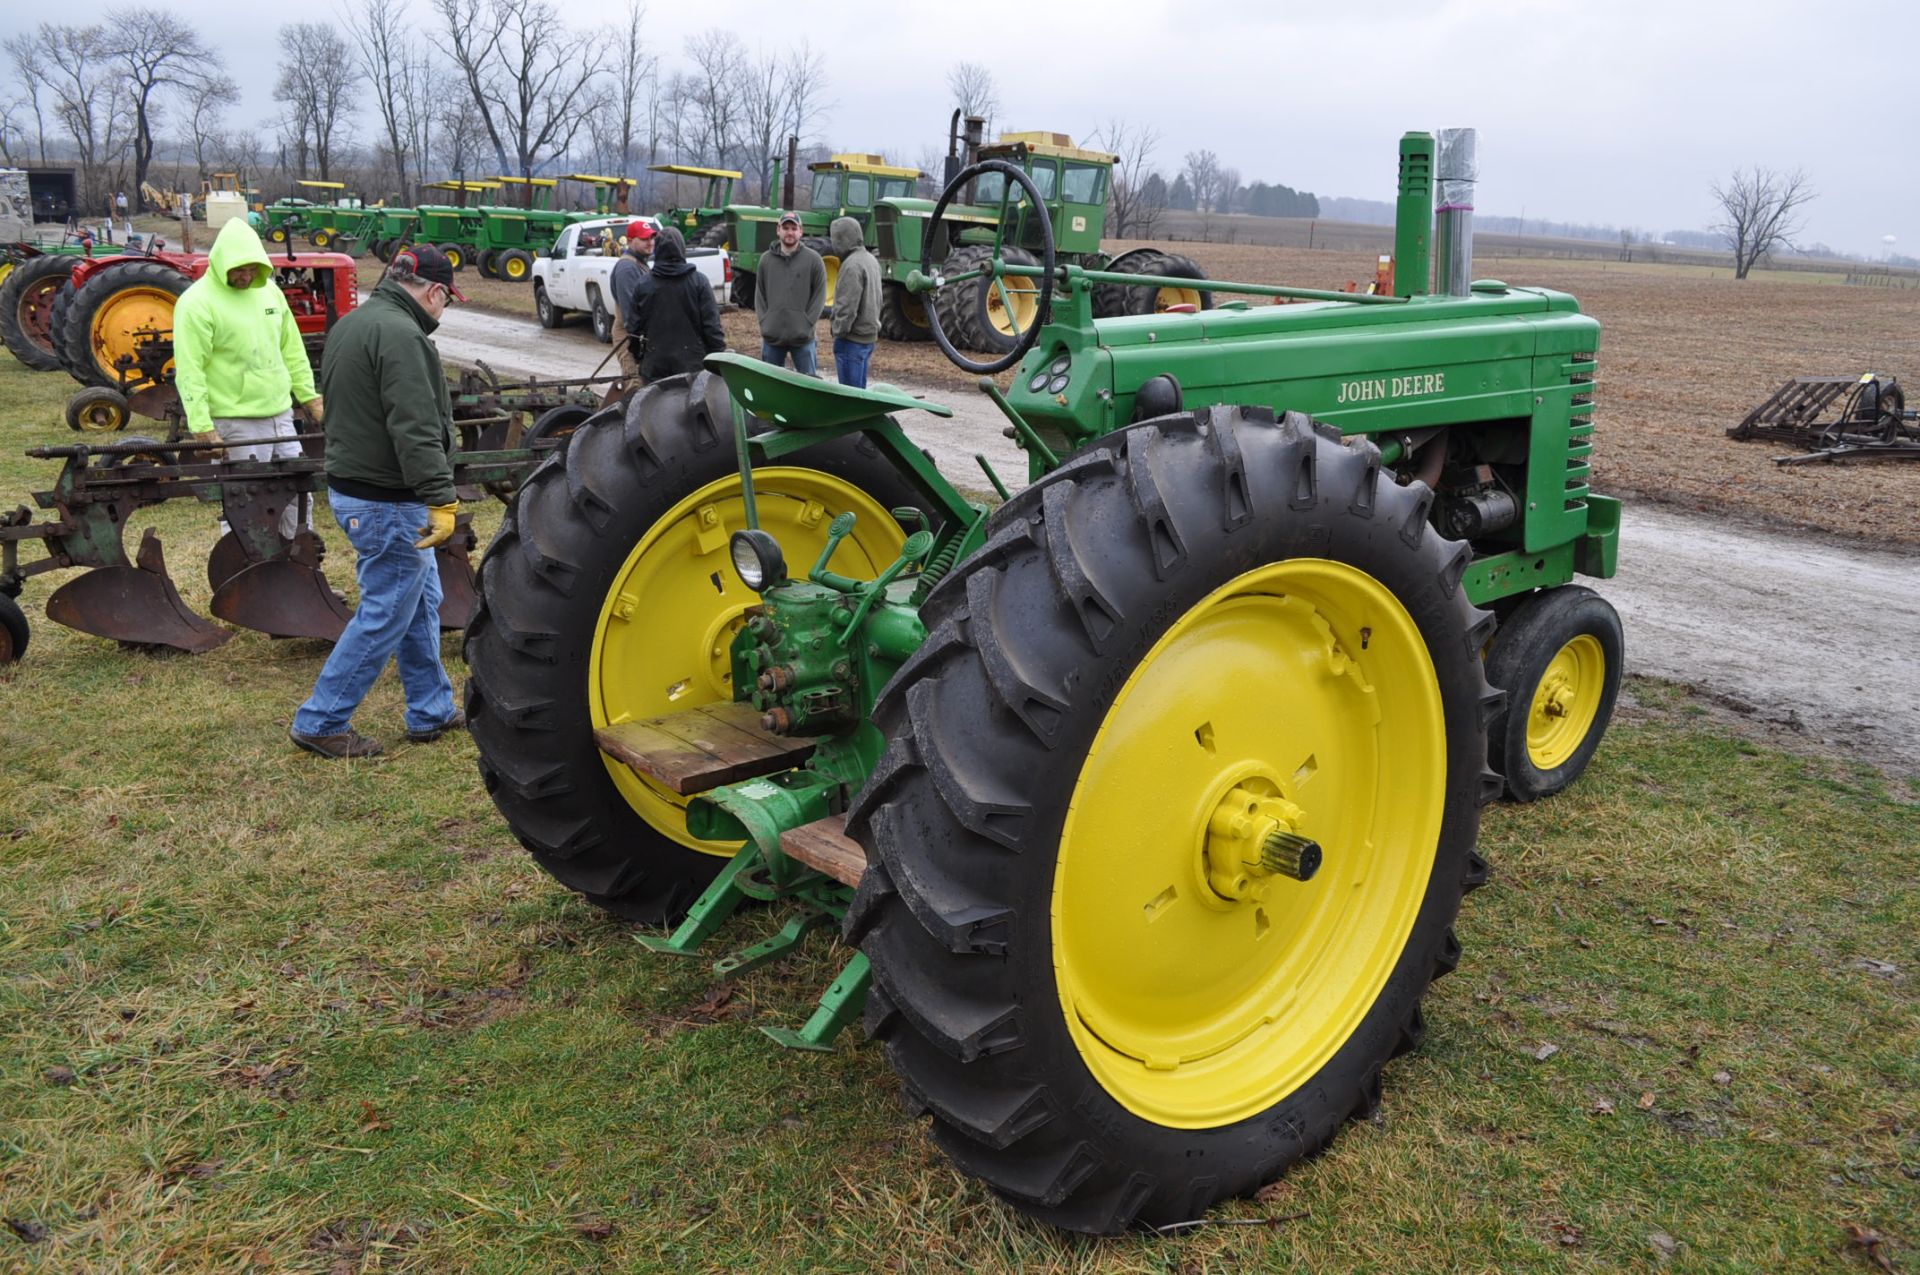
x,y
1804,636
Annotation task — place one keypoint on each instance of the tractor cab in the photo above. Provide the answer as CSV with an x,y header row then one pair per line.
x,y
1072,181
694,223
850,186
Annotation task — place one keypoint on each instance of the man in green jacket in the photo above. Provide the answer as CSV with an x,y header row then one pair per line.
x,y
390,484
789,294
238,360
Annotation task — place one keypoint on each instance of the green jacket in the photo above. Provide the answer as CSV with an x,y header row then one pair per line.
x,y
789,294
389,415
237,351
856,293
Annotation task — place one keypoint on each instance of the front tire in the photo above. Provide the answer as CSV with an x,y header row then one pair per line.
x,y
26,309
1109,1022
14,630
903,314
602,318
515,265
608,596
543,306
1558,656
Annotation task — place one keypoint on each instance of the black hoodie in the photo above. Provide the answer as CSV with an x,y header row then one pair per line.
x,y
674,315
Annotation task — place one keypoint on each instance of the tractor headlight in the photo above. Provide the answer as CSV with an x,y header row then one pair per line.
x,y
757,558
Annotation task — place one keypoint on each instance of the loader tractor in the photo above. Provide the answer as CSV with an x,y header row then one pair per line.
x,y
1148,797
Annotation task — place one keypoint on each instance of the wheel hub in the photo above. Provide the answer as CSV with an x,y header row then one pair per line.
x,y
1251,838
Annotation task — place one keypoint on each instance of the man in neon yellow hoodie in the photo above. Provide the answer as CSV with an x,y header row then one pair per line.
x,y
238,360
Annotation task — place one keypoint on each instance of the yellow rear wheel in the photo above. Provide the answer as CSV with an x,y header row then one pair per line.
x,y
610,596
663,640
1200,986
1178,807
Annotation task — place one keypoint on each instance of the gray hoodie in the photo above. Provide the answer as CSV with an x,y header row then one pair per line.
x,y
856,294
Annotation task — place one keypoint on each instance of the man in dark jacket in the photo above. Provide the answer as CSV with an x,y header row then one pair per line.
x,y
856,304
789,294
390,483
628,272
674,315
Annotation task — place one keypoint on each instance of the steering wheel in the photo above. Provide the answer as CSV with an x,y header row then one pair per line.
x,y
992,272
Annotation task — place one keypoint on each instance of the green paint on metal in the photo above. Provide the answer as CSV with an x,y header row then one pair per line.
x,y
839,1006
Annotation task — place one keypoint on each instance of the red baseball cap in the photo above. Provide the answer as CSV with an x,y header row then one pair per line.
x,y
640,230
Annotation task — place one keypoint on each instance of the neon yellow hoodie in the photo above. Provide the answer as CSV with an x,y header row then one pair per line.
x,y
237,351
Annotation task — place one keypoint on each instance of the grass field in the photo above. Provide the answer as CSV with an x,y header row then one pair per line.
x,y
264,1013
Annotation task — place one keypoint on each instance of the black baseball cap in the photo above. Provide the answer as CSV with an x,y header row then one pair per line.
x,y
789,216
431,265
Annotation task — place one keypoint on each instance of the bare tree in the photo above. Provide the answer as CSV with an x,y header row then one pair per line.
x,y
623,104
83,88
1760,211
1134,216
22,57
316,84
382,51
205,101
716,108
159,54
529,78
974,90
780,99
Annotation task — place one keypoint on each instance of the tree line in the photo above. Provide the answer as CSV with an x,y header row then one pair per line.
x,y
493,87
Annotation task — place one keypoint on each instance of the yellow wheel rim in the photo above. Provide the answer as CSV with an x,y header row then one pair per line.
x,y
277,234
456,258
662,641
321,238
833,275
1015,313
6,268
1303,689
913,307
1167,298
122,317
1565,702
99,417
516,268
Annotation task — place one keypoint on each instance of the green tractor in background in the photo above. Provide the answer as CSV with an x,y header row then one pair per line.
x,y
454,228
704,226
1150,795
988,313
843,186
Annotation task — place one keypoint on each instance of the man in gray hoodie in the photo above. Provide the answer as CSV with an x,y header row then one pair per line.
x,y
856,304
789,294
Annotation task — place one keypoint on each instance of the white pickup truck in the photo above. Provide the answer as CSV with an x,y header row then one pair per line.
x,y
576,275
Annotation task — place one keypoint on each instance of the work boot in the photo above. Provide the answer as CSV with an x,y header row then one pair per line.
x,y
348,743
432,733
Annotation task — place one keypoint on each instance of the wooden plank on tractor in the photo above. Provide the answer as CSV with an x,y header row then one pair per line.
x,y
824,846
703,748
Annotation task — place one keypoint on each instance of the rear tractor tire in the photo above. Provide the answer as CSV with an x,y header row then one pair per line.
x,y
457,256
1111,300
486,263
974,314
830,256
104,317
1102,959
26,309
714,236
1558,656
742,294
608,596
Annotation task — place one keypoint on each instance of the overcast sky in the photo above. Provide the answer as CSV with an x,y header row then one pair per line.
x,y
1622,111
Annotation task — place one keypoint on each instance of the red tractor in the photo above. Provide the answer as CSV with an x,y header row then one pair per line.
x,y
111,325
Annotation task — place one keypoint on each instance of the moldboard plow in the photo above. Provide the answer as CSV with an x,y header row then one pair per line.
x,y
260,579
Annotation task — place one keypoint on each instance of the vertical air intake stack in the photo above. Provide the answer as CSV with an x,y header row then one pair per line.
x,y
1455,171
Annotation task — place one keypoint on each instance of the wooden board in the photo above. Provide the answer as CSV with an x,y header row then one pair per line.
x,y
703,747
824,846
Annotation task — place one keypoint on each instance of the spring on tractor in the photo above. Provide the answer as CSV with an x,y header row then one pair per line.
x,y
939,565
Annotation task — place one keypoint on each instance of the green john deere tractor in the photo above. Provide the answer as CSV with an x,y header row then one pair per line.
x,y
1150,796
988,313
706,225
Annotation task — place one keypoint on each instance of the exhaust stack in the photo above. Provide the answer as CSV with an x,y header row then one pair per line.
x,y
1456,169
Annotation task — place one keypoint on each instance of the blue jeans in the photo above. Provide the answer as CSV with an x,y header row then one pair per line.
x,y
399,615
806,359
850,359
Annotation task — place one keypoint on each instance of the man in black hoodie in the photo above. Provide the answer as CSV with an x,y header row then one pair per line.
x,y
674,318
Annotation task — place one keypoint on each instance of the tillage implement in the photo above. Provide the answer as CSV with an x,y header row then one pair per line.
x,y
1148,796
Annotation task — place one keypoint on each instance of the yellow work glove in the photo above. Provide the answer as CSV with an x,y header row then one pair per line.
x,y
439,526
316,409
